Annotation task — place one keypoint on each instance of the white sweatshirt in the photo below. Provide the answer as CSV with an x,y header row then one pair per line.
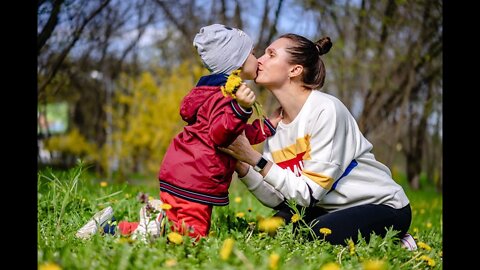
x,y
321,158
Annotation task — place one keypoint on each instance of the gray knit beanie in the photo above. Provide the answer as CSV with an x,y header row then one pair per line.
x,y
222,49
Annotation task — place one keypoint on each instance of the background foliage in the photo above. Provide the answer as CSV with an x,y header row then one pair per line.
x,y
123,66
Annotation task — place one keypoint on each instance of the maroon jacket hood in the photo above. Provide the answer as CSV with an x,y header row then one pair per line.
x,y
194,100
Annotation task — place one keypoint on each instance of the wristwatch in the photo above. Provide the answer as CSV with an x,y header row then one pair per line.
x,y
260,164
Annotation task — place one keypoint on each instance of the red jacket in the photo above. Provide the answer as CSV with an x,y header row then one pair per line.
x,y
193,168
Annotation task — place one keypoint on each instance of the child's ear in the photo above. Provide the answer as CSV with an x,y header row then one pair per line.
x,y
295,71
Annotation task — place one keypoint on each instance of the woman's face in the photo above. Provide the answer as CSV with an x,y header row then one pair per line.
x,y
249,68
273,66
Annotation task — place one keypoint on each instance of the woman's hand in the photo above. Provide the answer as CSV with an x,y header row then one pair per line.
x,y
242,150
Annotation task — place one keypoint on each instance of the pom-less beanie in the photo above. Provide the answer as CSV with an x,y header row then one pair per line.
x,y
222,49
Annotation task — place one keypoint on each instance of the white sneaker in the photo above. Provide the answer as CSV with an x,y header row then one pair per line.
x,y
151,224
96,222
408,242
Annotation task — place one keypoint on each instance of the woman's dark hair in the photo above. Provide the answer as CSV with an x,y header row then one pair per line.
x,y
307,54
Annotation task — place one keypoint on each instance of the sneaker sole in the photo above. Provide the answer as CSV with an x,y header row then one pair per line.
x,y
97,221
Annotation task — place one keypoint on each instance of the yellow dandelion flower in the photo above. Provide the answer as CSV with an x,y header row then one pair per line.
x,y
427,259
175,237
429,224
170,262
415,230
273,261
424,246
125,240
295,218
351,247
49,266
330,266
240,214
166,206
227,248
150,198
232,84
374,265
238,199
270,225
325,231
103,184
127,195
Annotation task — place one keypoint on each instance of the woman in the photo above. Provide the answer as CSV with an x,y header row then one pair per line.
x,y
318,156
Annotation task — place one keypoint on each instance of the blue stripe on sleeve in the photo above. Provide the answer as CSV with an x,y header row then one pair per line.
x,y
350,167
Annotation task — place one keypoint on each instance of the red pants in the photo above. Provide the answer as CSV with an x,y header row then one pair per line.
x,y
186,217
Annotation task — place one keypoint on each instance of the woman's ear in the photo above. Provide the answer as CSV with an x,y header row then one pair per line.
x,y
295,71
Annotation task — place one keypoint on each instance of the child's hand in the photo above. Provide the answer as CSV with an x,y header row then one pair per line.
x,y
245,96
277,115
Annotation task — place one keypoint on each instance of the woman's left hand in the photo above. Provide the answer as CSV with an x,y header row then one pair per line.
x,y
242,150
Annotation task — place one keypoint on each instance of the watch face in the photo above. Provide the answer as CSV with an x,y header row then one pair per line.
x,y
261,164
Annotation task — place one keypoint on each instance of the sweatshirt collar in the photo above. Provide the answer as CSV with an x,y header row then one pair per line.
x,y
213,80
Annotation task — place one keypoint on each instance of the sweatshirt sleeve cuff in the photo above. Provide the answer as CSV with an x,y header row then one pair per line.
x,y
270,126
239,111
274,176
252,179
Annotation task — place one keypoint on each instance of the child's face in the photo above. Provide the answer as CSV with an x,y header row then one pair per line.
x,y
249,68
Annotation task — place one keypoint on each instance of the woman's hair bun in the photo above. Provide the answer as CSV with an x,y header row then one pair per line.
x,y
323,45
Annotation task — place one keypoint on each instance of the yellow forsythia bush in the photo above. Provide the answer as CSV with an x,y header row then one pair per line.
x,y
146,117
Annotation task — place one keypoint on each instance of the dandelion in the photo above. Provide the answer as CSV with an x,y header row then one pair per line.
x,y
150,198
273,261
424,246
374,265
270,225
127,195
330,266
238,199
295,218
49,266
325,231
430,261
170,262
166,206
429,224
415,230
233,82
103,184
351,247
227,248
175,237
240,214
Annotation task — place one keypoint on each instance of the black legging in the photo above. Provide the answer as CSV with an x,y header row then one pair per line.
x,y
346,223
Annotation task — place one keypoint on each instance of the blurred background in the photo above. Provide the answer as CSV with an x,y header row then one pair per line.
x,y
112,74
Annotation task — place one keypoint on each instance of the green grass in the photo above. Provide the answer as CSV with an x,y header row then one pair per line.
x,y
66,200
